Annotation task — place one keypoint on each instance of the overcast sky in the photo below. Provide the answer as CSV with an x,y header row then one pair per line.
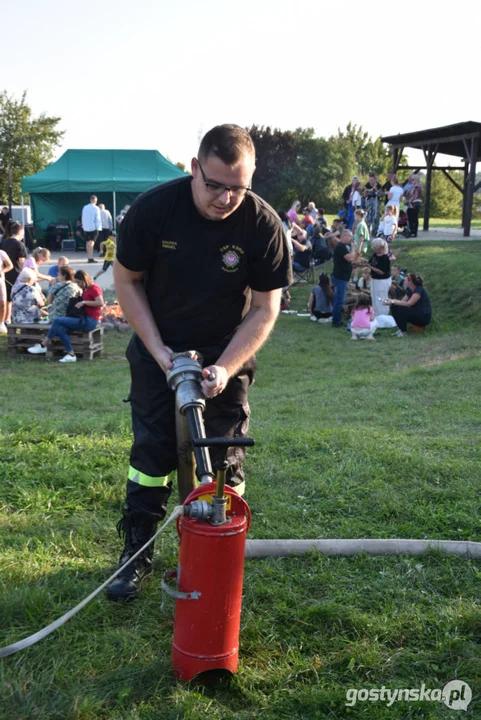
x,y
157,75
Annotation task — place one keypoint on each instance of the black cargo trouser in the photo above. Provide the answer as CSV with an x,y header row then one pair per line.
x,y
153,455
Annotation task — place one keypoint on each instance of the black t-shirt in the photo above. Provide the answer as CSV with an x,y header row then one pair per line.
x,y
423,305
15,250
197,272
342,268
372,191
381,262
5,219
303,257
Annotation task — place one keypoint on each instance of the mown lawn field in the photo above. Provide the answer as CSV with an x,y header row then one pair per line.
x,y
373,440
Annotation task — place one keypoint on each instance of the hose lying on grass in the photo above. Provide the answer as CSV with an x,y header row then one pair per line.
x,y
285,548
280,548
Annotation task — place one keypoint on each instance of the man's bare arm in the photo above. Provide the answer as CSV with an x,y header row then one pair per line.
x,y
131,295
250,336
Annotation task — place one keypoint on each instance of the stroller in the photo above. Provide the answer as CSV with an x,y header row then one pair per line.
x,y
403,224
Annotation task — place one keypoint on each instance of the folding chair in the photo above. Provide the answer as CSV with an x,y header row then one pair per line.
x,y
306,275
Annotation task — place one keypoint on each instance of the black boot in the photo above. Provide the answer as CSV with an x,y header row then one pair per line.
x,y
137,528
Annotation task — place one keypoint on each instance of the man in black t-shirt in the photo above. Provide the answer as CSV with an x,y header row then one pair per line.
x,y
201,263
17,252
5,220
341,274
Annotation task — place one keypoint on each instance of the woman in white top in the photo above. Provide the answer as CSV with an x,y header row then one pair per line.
x,y
5,266
394,195
356,197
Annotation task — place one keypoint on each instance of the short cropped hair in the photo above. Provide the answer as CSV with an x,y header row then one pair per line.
x,y
378,243
230,143
27,274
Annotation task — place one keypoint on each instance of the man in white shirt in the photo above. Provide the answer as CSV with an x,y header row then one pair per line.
x,y
107,224
92,225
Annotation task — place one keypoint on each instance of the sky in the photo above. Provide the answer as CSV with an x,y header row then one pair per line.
x,y
148,74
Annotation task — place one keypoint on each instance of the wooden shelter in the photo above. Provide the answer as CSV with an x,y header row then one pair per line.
x,y
462,140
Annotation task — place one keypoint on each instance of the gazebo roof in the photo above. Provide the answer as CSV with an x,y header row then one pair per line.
x,y
449,138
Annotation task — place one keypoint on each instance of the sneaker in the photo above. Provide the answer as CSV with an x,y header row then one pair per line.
x,y
3,329
398,333
68,358
91,260
338,325
37,349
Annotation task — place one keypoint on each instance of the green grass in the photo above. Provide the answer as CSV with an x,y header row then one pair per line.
x,y
371,440
454,223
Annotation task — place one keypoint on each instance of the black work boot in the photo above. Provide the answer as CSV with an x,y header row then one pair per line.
x,y
136,527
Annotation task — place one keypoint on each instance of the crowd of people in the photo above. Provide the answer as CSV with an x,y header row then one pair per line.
x,y
358,229
73,301
364,286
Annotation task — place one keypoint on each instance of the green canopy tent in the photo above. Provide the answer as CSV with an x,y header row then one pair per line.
x,y
58,193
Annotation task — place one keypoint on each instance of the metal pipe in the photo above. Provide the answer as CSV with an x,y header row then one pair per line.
x,y
186,482
391,546
201,454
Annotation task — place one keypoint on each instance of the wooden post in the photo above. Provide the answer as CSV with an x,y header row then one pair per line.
x,y
430,157
469,190
396,158
465,188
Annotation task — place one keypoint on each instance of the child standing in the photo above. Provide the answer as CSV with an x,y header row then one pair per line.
x,y
388,228
361,237
108,248
363,323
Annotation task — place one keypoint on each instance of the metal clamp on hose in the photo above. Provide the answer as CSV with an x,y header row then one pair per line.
x,y
184,378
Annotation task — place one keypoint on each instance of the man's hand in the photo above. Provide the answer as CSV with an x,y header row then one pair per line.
x,y
164,358
214,387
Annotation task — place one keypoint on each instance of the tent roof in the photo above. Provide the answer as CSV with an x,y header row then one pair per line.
x,y
103,171
449,139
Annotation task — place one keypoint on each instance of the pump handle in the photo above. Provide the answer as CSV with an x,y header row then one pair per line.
x,y
223,442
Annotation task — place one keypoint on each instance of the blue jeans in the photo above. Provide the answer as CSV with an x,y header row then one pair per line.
x,y
340,287
61,326
298,267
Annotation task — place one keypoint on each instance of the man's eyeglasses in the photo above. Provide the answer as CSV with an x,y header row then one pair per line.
x,y
216,190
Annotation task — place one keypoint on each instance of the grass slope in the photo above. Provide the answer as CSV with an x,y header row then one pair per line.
x,y
371,440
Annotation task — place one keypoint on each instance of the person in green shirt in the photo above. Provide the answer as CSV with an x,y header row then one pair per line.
x,y
361,237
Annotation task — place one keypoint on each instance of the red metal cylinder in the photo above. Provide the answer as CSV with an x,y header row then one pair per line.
x,y
211,572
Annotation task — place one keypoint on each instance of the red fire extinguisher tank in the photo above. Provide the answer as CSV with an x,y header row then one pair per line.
x,y
210,577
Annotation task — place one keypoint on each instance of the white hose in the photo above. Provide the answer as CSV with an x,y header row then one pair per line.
x,y
32,639
285,548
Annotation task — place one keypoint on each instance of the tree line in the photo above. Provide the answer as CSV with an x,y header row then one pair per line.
x,y
291,165
297,165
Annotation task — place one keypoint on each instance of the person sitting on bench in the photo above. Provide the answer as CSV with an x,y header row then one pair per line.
x,y
91,304
27,298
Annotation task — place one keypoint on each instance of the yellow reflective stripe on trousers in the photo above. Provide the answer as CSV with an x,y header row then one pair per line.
x,y
142,479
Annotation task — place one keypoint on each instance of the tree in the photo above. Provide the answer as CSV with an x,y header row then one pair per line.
x,y
296,165
446,200
275,155
26,143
